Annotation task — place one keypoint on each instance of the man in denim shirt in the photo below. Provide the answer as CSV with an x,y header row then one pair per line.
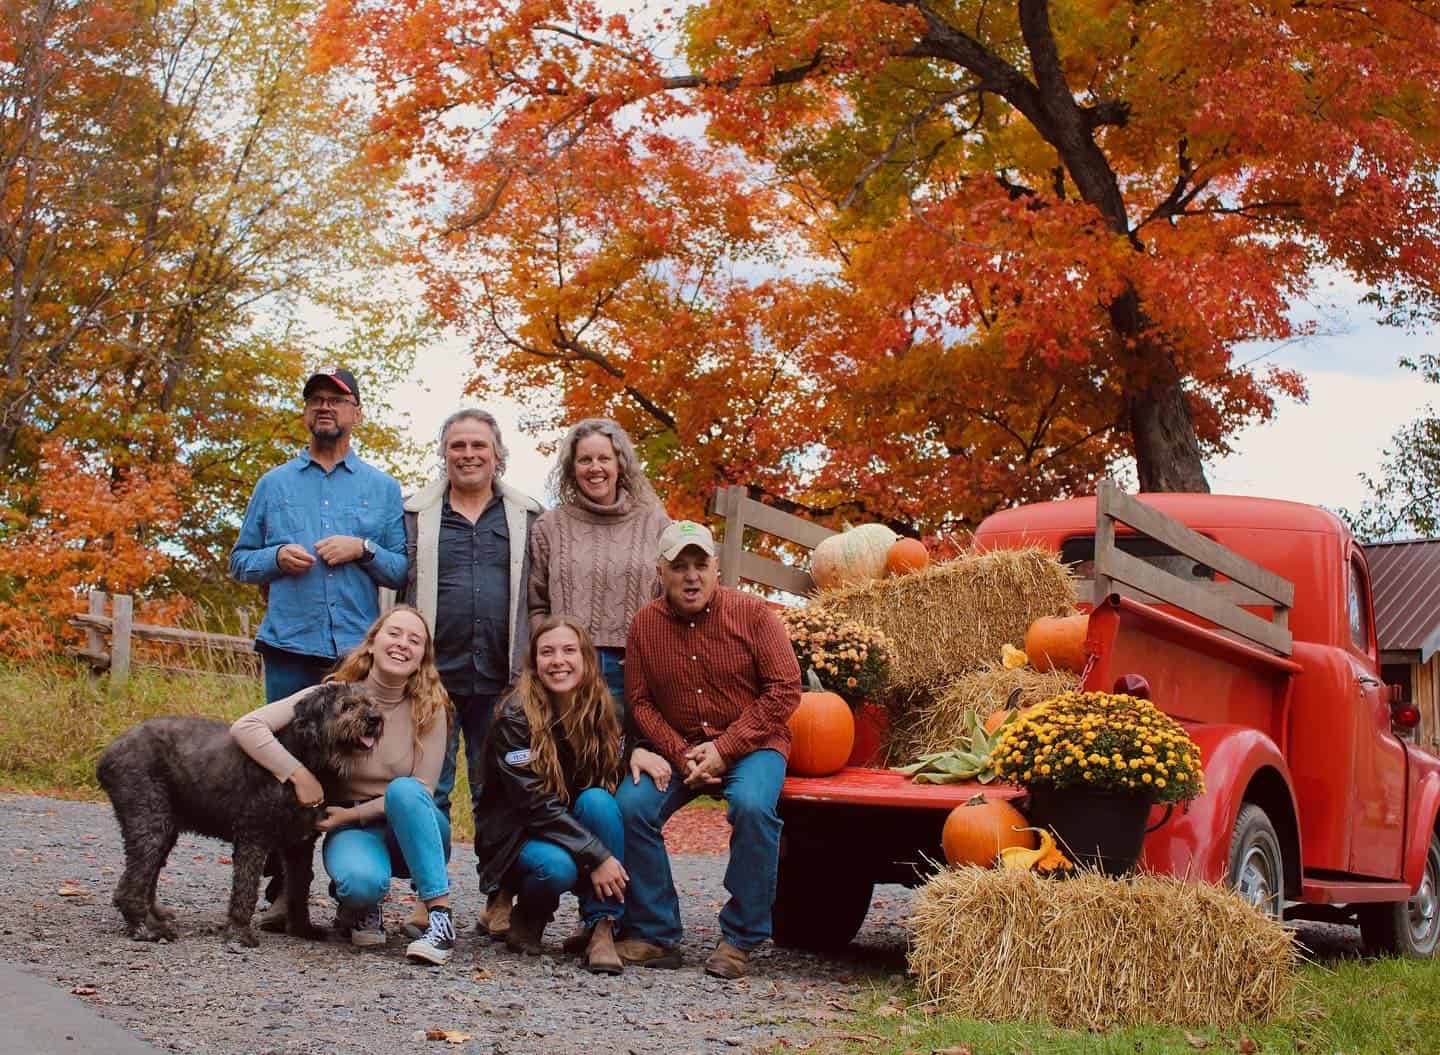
x,y
322,532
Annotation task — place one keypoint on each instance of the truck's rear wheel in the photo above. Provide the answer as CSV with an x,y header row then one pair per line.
x,y
817,905
1257,864
1407,928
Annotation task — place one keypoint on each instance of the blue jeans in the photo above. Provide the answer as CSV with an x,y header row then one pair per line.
x,y
752,789
412,839
544,871
473,714
612,669
286,673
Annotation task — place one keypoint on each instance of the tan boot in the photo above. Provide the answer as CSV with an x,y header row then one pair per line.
x,y
418,922
728,962
525,934
494,922
600,954
648,954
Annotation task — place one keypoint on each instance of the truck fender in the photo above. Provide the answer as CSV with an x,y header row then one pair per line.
x,y
1422,826
1195,842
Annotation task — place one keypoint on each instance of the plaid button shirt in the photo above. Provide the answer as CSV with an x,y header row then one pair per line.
x,y
726,674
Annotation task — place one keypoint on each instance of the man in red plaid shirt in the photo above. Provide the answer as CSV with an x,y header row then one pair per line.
x,y
711,680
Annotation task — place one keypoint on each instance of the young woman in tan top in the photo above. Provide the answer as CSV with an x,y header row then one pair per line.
x,y
386,822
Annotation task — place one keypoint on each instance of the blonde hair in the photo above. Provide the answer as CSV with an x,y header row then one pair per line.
x,y
590,724
630,475
429,702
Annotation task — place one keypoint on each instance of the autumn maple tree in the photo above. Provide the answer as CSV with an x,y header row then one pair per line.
x,y
180,197
900,258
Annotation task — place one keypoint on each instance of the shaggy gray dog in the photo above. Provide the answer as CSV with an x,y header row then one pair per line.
x,y
169,775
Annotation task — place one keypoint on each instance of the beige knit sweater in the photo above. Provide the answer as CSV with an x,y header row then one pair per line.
x,y
595,564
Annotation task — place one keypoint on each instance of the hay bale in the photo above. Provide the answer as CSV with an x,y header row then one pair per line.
x,y
953,617
926,723
1097,953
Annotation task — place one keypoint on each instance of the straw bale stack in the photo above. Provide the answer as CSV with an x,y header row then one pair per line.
x,y
953,617
938,723
1097,953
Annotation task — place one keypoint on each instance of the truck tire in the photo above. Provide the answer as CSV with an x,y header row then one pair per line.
x,y
1407,928
1257,864
818,906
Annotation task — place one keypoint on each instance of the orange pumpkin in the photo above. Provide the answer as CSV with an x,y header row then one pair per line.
x,y
978,829
905,556
822,731
1057,642
854,556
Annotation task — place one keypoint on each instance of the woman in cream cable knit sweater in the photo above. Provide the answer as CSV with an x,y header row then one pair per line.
x,y
592,557
386,821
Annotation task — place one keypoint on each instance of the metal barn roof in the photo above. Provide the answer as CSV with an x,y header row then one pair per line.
x,y
1406,586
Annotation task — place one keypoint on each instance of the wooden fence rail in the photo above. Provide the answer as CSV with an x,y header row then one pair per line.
x,y
123,631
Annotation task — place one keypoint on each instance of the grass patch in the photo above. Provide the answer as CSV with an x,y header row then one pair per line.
x,y
1350,1006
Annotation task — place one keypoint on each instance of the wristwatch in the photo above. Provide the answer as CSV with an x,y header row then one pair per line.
x,y
369,554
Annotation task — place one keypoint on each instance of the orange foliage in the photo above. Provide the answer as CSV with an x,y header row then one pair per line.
x,y
900,260
78,530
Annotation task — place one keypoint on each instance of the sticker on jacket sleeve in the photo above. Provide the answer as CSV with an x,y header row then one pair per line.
x,y
517,758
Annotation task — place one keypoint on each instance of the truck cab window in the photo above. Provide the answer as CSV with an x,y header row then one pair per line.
x,y
1359,610
1079,553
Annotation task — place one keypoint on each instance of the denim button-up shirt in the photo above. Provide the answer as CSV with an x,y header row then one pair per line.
x,y
326,610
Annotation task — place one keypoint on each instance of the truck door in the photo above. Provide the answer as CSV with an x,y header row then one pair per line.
x,y
1378,794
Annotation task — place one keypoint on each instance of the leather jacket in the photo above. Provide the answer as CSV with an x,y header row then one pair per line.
x,y
515,806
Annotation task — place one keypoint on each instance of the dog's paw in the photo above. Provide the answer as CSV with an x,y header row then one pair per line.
x,y
153,930
241,936
159,911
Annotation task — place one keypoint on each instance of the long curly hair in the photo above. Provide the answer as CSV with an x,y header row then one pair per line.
x,y
631,476
429,702
590,723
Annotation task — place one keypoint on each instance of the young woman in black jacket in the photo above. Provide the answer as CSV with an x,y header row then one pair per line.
x,y
547,822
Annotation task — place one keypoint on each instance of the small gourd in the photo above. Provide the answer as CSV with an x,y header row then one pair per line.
x,y
906,555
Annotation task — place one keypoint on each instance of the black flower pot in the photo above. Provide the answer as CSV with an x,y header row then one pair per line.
x,y
1096,828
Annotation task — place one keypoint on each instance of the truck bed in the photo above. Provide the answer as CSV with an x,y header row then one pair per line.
x,y
888,787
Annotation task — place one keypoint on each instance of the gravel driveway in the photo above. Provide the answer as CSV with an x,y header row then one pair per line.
x,y
61,860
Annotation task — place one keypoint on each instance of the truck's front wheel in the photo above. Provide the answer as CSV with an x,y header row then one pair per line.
x,y
1257,864
817,905
1407,928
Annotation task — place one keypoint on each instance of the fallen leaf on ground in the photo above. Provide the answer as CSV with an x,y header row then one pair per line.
x,y
72,891
481,975
963,1049
1247,1046
1197,1042
449,1036
888,1011
84,990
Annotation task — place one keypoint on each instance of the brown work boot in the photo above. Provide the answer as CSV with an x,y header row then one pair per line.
x,y
728,962
525,934
494,922
600,954
647,954
578,941
418,922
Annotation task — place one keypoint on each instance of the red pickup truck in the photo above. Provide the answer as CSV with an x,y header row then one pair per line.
x,y
1251,621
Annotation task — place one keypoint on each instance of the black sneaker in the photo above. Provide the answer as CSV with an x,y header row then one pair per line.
x,y
436,944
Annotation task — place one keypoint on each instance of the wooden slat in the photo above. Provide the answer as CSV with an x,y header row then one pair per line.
x,y
123,605
1230,592
1135,572
791,528
1116,503
732,545
169,635
767,572
94,639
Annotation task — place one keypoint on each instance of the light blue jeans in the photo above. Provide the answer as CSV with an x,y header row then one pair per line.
x,y
752,789
544,871
412,839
